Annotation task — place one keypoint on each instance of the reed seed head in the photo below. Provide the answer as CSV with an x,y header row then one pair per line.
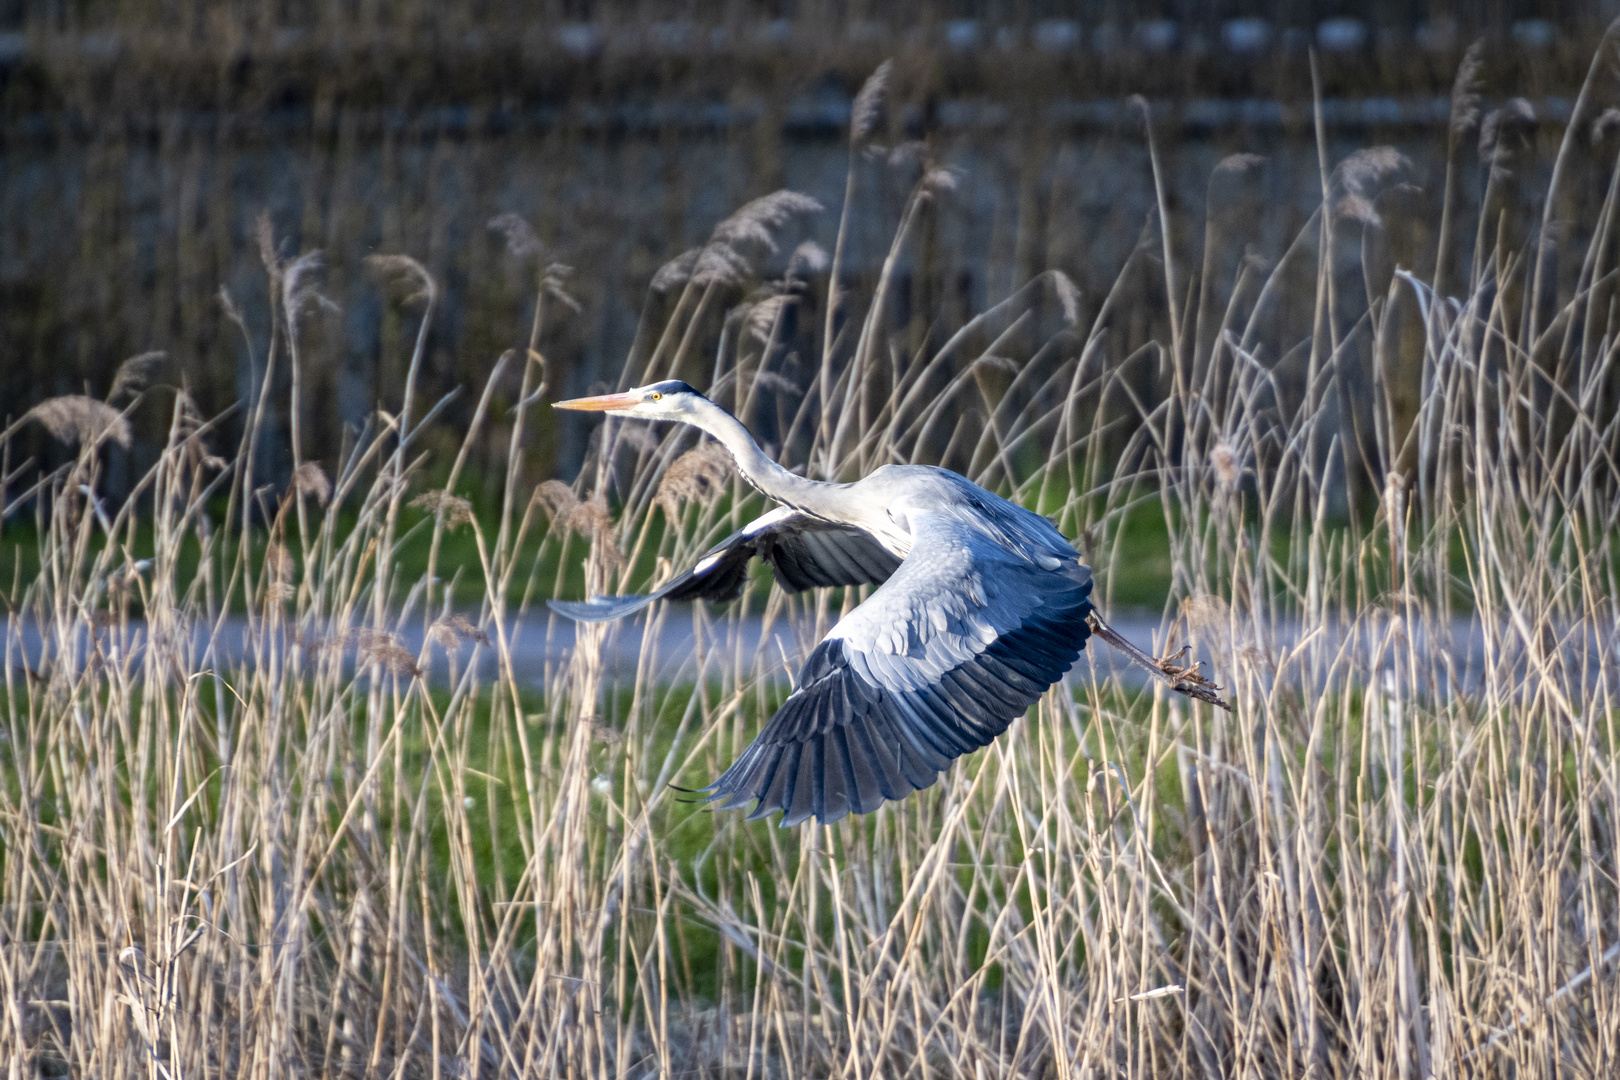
x,y
762,316
808,258
1465,92
1606,126
265,233
449,631
1506,134
521,240
699,474
757,221
310,479
75,418
554,283
557,499
867,112
298,286
940,179
1359,177
720,264
913,153
232,312
133,374
1394,485
1227,465
417,283
776,382
1068,294
676,271
1239,163
280,562
384,649
455,510
588,518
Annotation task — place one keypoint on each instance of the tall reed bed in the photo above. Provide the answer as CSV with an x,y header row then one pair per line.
x,y
249,831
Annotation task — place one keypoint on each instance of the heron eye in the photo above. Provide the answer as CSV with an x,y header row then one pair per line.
x,y
655,396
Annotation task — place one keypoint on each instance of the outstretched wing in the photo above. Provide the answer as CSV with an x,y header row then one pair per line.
x,y
804,552
955,646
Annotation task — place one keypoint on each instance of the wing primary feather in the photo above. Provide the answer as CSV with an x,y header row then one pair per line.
x,y
806,553
985,681
789,569
757,781
1003,652
919,760
935,752
854,573
804,788
734,776
878,746
829,779
967,698
975,734
869,558
777,794
842,795
991,701
943,726
836,706
864,782
1016,680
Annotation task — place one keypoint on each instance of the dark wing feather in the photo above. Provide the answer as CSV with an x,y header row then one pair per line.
x,y
959,643
805,553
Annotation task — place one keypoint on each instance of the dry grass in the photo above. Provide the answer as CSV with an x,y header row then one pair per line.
x,y
286,845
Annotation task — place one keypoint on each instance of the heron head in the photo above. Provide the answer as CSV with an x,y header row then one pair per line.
x,y
667,400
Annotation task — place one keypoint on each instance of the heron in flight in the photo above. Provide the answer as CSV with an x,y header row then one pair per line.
x,y
981,606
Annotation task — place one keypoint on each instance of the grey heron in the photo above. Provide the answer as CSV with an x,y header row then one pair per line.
x,y
981,606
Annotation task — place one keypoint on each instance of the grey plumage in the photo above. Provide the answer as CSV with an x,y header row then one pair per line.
x,y
953,648
981,606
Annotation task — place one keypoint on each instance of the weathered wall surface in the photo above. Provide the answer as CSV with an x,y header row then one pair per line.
x,y
136,156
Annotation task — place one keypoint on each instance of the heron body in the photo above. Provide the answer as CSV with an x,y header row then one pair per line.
x,y
981,606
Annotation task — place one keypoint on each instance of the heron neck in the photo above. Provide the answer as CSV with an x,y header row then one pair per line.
x,y
759,470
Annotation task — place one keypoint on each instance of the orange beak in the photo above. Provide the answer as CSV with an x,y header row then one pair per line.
x,y
604,403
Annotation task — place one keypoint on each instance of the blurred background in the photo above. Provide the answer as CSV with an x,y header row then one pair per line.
x,y
141,140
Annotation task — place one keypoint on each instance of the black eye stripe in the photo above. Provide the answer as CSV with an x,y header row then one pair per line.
x,y
668,386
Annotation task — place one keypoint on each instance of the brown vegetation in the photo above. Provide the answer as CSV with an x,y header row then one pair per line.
x,y
287,845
